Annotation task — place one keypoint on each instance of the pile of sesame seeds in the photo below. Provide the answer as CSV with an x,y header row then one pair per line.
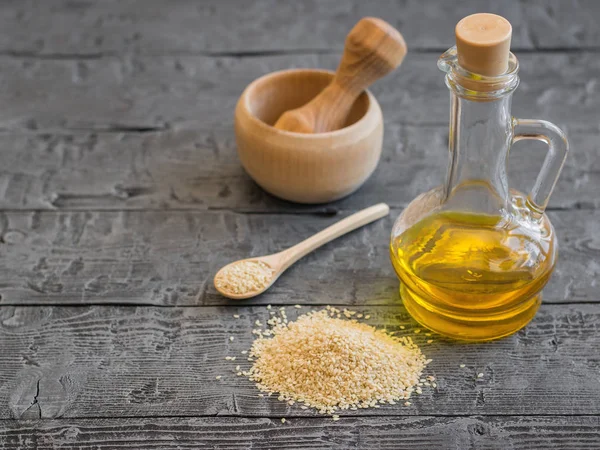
x,y
244,276
329,361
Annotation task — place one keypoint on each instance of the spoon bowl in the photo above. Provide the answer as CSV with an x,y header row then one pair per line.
x,y
273,261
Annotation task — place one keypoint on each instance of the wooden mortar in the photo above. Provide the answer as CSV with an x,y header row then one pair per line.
x,y
305,168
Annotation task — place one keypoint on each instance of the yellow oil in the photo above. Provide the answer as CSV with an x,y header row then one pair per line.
x,y
473,276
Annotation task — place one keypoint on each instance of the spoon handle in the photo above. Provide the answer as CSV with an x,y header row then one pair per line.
x,y
350,223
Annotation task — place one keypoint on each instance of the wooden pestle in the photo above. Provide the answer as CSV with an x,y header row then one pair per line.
x,y
373,49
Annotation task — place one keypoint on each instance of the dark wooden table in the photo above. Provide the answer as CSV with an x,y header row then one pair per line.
x,y
121,194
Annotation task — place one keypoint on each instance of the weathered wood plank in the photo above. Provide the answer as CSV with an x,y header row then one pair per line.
x,y
148,92
169,258
91,28
146,361
394,433
199,169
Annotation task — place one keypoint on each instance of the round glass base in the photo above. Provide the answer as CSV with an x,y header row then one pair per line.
x,y
470,325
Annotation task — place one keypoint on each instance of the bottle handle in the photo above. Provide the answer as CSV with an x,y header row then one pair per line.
x,y
558,148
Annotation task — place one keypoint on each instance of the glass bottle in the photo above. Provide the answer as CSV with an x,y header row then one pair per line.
x,y
473,255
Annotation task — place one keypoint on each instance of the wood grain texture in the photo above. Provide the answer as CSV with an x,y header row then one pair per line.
x,y
128,105
140,93
115,361
198,169
170,258
157,27
393,433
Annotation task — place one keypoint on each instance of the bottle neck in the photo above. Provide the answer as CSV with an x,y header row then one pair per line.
x,y
479,141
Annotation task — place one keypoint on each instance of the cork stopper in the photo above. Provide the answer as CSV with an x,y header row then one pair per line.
x,y
483,43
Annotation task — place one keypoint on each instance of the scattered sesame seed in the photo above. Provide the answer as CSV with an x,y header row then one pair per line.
x,y
244,352
231,338
236,316
368,316
402,327
417,331
429,341
297,306
283,420
218,377
407,403
335,417
462,366
268,306
228,358
257,323
237,368
480,375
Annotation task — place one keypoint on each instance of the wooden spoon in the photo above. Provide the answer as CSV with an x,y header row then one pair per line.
x,y
279,262
373,49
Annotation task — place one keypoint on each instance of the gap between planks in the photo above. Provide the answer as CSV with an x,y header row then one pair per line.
x,y
294,417
255,53
326,212
234,304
